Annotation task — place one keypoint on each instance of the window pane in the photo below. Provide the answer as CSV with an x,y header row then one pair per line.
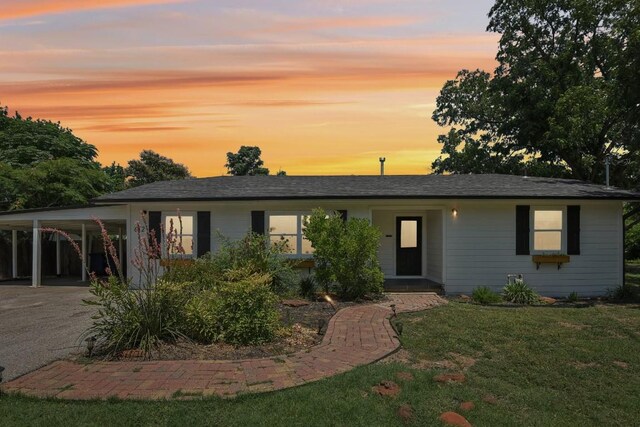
x,y
409,234
187,224
187,246
306,246
547,240
283,224
548,220
290,242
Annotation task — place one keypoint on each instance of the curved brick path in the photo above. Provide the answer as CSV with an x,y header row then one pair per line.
x,y
355,336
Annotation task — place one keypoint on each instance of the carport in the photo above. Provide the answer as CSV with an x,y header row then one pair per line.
x,y
79,223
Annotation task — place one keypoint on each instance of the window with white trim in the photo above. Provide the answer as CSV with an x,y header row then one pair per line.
x,y
289,228
183,227
547,229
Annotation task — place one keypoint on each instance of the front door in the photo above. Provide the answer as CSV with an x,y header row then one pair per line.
x,y
409,246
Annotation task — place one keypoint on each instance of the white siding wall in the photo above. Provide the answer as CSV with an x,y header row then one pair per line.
x,y
384,220
434,246
481,250
479,243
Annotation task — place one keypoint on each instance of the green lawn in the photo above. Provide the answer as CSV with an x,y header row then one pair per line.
x,y
633,273
545,366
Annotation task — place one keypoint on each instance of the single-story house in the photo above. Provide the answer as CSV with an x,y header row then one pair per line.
x,y
456,232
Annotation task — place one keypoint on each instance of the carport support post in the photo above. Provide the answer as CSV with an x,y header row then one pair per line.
x,y
83,244
36,266
120,243
14,254
58,257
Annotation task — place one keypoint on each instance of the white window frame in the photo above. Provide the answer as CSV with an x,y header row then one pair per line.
x,y
299,235
563,231
193,235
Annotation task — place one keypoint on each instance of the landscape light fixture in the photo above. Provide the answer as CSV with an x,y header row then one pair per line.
x,y
399,328
393,308
330,301
91,341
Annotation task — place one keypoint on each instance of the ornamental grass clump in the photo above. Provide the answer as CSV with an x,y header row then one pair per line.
x,y
519,292
484,295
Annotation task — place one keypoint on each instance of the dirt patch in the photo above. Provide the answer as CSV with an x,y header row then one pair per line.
x,y
467,406
584,365
405,412
450,378
454,419
490,399
405,376
619,364
464,362
387,388
575,326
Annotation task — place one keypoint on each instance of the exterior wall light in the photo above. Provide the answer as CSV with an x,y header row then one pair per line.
x,y
454,212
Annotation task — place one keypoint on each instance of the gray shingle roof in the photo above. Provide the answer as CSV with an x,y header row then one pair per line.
x,y
367,187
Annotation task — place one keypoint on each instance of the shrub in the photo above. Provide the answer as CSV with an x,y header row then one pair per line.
x,y
520,293
484,295
241,310
307,288
573,297
255,253
621,293
345,254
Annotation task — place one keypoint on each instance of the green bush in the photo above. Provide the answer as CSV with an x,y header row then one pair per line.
x,y
345,254
573,297
307,288
131,318
484,295
621,293
241,310
519,292
255,253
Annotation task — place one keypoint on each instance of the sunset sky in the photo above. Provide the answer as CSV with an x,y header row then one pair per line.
x,y
322,86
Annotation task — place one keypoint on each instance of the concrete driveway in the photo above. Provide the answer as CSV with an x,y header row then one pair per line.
x,y
39,325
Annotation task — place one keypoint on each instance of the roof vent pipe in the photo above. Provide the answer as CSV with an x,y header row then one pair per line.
x,y
382,160
607,163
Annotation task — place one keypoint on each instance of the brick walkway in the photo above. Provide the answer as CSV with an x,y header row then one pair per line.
x,y
355,336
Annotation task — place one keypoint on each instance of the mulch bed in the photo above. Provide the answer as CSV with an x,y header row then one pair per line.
x,y
299,332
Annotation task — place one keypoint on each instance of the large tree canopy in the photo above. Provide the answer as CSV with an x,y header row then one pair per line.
x,y
25,142
564,96
43,164
152,167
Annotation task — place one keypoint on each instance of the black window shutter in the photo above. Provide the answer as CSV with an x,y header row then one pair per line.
x,y
204,232
522,229
257,222
343,215
573,230
155,221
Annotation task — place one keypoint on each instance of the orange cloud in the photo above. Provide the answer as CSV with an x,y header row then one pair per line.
x,y
26,8
312,24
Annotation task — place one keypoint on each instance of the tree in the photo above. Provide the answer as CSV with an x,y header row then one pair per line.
x,y
43,164
246,161
152,167
563,97
117,177
50,183
25,142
